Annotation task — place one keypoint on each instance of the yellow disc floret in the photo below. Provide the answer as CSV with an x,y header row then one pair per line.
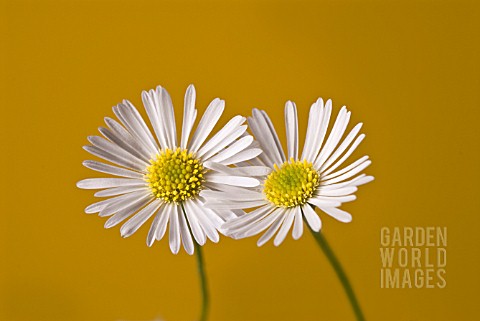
x,y
291,184
175,176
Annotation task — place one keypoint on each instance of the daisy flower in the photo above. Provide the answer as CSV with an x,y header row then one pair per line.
x,y
159,178
299,183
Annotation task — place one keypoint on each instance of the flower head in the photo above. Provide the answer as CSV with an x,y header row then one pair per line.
x,y
159,178
295,186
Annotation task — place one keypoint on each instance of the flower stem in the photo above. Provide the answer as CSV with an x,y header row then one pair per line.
x,y
201,275
203,281
323,244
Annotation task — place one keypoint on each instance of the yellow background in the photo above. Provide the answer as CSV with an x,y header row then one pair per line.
x,y
408,70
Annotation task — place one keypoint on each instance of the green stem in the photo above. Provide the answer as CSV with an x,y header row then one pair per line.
x,y
202,276
203,282
323,244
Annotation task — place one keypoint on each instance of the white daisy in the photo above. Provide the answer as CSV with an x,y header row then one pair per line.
x,y
297,185
162,179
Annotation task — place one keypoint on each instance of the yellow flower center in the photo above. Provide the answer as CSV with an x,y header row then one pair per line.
x,y
175,176
292,184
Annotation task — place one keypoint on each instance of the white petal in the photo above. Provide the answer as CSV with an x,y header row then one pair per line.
x,y
225,205
192,216
232,180
265,134
242,156
321,130
247,219
162,225
120,136
133,224
291,125
233,149
339,191
99,183
287,224
333,201
135,124
323,202
174,234
208,121
110,169
345,169
98,206
169,116
242,195
185,235
130,163
155,225
346,155
151,102
313,130
231,131
312,218
335,135
123,202
120,190
126,212
356,181
272,230
337,214
189,115
298,225
343,146
264,223
205,222
240,171
354,171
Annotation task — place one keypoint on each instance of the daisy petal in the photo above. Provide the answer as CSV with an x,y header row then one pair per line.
x,y
340,191
155,225
272,230
233,149
354,171
120,190
151,103
132,120
337,214
162,225
189,115
132,164
266,222
346,155
192,215
313,130
247,171
231,131
232,180
291,125
99,183
185,235
242,156
208,121
123,203
343,146
287,224
174,234
336,134
323,202
126,212
169,116
110,169
312,218
133,224
297,225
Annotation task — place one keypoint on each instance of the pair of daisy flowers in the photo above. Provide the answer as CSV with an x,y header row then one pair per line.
x,y
228,182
